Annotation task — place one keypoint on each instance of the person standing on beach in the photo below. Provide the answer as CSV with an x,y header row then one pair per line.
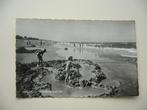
x,y
40,56
41,42
67,69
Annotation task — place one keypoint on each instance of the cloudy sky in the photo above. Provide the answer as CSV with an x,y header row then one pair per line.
x,y
77,30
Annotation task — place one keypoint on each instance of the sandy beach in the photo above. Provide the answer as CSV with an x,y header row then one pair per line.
x,y
114,64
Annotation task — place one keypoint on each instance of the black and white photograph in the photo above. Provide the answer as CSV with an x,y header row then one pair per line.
x,y
59,58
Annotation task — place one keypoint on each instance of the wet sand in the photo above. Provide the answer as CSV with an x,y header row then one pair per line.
x,y
32,57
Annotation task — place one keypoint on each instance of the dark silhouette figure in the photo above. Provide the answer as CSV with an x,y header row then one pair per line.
x,y
68,66
41,42
74,45
40,56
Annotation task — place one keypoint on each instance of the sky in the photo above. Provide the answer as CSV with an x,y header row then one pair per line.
x,y
77,30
